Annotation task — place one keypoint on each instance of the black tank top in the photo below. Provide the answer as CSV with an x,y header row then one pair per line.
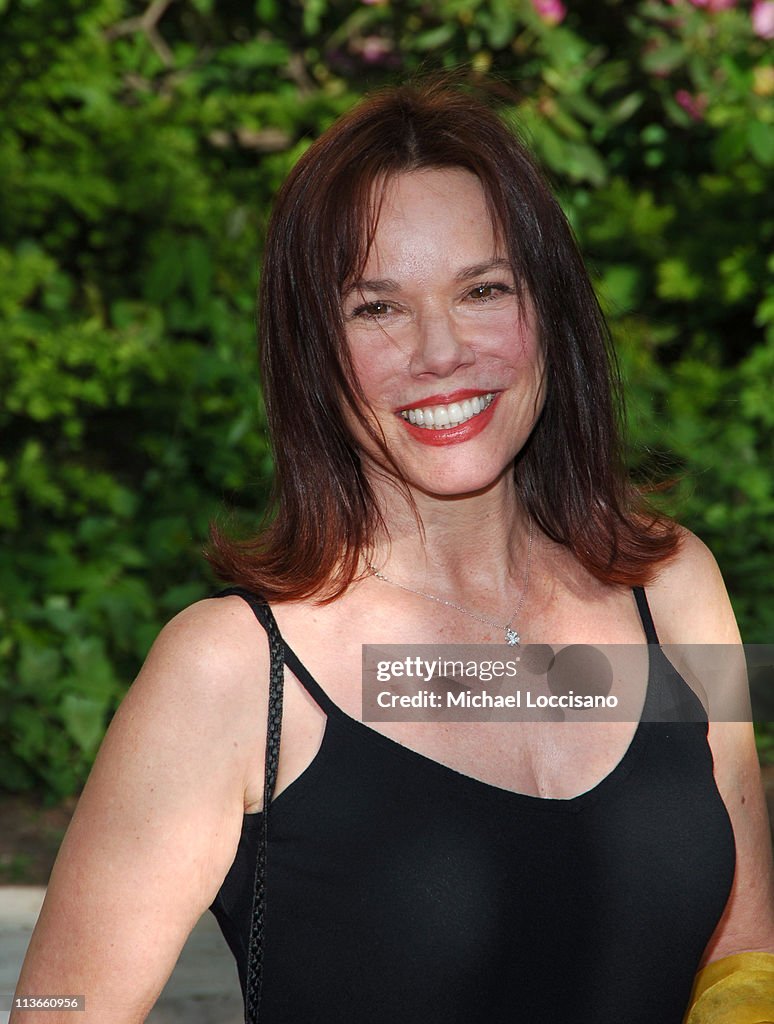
x,y
400,891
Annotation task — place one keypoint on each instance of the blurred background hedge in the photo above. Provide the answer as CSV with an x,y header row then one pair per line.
x,y
140,146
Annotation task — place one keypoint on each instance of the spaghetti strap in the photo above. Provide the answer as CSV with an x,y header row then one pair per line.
x,y
645,615
310,684
259,607
263,613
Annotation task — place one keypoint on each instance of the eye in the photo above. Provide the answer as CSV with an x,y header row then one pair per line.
x,y
487,292
372,310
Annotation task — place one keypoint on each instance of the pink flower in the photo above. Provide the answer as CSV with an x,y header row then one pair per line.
x,y
763,18
374,49
551,11
694,106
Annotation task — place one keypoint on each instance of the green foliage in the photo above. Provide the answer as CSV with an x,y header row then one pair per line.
x,y
138,160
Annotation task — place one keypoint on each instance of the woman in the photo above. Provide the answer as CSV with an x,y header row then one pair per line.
x,y
438,387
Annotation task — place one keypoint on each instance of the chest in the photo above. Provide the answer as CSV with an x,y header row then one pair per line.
x,y
558,758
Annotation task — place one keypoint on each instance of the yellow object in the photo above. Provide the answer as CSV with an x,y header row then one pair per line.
x,y
738,989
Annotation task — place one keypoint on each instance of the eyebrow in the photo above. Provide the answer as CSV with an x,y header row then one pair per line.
x,y
379,284
482,269
387,286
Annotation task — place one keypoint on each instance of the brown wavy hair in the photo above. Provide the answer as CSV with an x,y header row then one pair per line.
x,y
570,475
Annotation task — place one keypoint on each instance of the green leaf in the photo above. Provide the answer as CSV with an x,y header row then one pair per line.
x,y
676,280
38,666
625,108
760,138
313,14
501,24
664,58
434,38
84,719
621,287
266,10
731,144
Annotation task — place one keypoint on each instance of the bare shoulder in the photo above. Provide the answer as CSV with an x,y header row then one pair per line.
x,y
688,597
184,738
204,677
201,684
212,644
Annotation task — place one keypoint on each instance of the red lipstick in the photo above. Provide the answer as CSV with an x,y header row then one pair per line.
x,y
450,435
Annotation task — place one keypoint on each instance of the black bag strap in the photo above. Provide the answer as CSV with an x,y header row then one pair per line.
x,y
254,977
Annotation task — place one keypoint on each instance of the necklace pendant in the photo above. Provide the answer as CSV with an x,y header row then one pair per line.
x,y
511,636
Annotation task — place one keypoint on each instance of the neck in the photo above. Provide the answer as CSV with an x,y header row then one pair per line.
x,y
468,543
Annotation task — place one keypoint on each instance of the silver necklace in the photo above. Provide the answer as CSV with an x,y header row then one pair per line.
x,y
511,635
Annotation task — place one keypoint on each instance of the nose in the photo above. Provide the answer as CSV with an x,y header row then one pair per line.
x,y
439,347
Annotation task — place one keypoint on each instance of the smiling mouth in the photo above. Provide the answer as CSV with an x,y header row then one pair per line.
x,y
442,417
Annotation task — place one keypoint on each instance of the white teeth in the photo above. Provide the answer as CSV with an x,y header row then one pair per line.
x,y
441,417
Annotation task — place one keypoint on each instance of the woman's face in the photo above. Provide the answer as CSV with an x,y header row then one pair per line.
x,y
450,364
